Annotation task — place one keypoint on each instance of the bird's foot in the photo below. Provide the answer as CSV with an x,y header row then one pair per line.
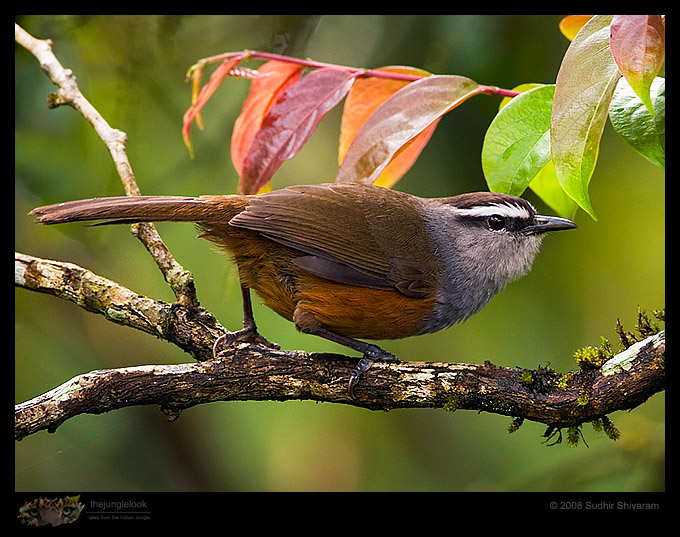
x,y
371,355
247,333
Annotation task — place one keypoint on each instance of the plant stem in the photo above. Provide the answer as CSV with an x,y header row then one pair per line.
x,y
487,90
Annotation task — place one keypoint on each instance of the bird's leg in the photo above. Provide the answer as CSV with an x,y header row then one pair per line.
x,y
372,354
248,332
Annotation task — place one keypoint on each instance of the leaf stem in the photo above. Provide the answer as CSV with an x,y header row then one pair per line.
x,y
487,90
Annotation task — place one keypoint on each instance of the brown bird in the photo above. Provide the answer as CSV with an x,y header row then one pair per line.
x,y
349,261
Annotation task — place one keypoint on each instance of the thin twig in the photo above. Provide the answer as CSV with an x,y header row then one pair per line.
x,y
179,279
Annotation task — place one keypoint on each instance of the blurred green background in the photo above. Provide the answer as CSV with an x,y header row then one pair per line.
x,y
132,69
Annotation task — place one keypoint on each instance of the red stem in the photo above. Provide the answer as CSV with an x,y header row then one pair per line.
x,y
487,90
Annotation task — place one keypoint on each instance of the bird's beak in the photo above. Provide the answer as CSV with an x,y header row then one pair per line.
x,y
548,223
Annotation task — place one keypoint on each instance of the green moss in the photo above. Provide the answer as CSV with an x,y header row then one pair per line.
x,y
515,425
605,424
564,380
644,327
594,357
606,347
609,429
527,378
627,338
588,357
542,380
660,314
451,404
573,435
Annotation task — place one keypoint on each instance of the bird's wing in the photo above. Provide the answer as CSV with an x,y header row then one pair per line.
x,y
356,234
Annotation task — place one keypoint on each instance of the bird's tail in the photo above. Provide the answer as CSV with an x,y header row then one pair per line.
x,y
133,209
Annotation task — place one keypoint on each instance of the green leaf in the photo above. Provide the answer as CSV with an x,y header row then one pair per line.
x,y
632,121
638,45
546,186
521,88
660,115
398,120
584,88
517,143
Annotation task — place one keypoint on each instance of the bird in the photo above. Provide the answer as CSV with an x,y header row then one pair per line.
x,y
350,262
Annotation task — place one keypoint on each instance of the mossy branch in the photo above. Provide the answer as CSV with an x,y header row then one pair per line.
x,y
253,372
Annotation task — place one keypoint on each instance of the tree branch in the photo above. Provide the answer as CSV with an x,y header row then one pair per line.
x,y
253,372
192,329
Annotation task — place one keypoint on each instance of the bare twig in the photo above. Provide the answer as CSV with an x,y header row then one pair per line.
x,y
179,279
69,93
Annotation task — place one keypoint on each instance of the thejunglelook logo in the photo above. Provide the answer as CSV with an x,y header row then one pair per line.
x,y
54,511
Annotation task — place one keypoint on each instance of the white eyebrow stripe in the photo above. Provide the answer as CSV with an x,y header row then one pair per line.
x,y
503,209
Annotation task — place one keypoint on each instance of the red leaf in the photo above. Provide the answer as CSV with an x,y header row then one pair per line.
x,y
215,80
290,123
273,79
401,118
638,44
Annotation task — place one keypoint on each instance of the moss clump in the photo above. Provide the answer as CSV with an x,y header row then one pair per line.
x,y
515,425
605,424
594,357
451,405
574,434
564,380
541,380
583,398
644,327
527,378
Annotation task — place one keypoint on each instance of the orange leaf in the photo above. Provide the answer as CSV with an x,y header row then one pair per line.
x,y
404,158
206,92
571,24
391,128
366,95
273,79
195,88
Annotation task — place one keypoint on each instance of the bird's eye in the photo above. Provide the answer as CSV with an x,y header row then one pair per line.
x,y
496,222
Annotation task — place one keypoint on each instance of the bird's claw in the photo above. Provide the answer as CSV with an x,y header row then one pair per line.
x,y
248,334
374,354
